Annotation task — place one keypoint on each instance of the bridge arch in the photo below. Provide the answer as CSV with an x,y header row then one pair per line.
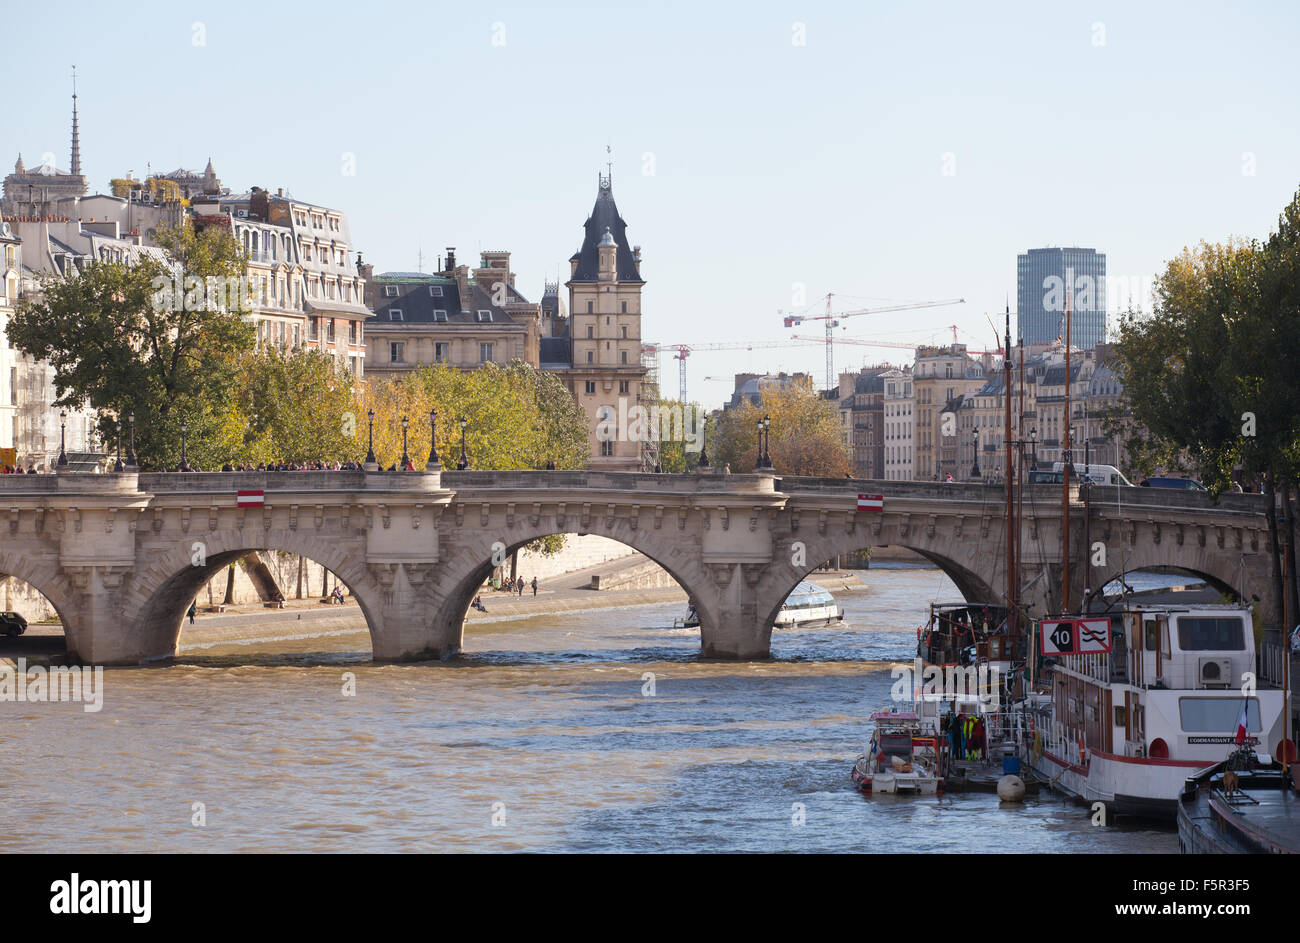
x,y
462,574
162,594
46,575
802,554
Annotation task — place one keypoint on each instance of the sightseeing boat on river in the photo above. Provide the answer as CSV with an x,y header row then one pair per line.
x,y
1140,700
808,605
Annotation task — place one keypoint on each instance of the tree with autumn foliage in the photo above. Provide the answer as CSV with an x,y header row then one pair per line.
x,y
806,436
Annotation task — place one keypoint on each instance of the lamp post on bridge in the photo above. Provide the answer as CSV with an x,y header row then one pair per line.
x,y
704,442
767,442
117,465
464,458
406,459
433,464
975,452
185,463
63,425
371,464
130,450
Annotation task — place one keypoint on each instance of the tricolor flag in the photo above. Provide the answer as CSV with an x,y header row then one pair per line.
x,y
871,502
1241,725
249,499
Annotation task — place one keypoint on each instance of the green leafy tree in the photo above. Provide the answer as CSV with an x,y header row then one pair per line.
x,y
123,338
806,437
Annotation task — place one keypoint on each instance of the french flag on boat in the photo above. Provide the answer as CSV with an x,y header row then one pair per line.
x,y
1241,725
871,502
249,499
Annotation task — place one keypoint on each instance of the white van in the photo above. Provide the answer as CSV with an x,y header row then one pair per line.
x,y
1097,474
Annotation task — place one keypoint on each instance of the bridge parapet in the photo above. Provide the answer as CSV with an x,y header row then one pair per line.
x,y
324,482
609,481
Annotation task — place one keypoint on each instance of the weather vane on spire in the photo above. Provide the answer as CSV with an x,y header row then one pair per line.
x,y
609,164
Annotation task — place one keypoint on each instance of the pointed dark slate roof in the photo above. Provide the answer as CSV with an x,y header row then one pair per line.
x,y
604,215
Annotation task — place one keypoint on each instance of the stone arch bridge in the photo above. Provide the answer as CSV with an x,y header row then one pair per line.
x,y
120,556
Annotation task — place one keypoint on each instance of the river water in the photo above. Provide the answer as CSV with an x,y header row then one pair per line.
x,y
544,736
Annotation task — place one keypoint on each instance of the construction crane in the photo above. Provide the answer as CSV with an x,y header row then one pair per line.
x,y
682,351
833,321
902,345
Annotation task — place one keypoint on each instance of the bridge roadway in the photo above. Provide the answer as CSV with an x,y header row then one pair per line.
x,y
120,556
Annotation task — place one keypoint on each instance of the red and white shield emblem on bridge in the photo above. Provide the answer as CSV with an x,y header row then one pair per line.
x,y
871,502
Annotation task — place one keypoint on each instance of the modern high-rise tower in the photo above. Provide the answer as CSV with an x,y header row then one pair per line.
x,y
1045,278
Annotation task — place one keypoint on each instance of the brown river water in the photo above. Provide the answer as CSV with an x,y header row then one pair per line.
x,y
542,737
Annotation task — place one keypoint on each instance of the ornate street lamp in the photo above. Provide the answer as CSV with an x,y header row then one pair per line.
x,y
185,428
433,464
1033,449
758,462
464,459
406,459
370,451
704,442
117,465
975,466
130,451
63,425
767,442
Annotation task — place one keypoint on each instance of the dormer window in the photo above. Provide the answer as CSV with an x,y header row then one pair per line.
x,y
394,314
435,291
390,291
439,315
484,315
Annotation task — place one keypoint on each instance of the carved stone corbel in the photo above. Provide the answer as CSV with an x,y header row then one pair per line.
x,y
536,517
510,514
659,516
585,517
293,517
635,519
821,522
484,514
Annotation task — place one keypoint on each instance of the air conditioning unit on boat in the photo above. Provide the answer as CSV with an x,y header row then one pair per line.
x,y
1214,672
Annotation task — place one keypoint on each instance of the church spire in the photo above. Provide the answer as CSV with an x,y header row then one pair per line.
x,y
75,168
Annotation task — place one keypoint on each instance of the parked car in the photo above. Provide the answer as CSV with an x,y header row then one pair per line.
x,y
1182,484
11,623
1097,474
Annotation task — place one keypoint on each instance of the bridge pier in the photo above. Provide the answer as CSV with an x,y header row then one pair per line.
x,y
733,623
409,623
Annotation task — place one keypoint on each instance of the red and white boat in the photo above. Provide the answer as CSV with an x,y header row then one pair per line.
x,y
1142,699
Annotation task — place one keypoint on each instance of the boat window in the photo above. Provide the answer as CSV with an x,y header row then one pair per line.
x,y
1150,631
1217,714
1210,634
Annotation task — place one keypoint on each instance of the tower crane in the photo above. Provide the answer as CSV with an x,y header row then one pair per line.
x,y
833,320
682,351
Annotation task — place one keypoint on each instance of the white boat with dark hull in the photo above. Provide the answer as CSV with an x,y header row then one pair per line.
x,y
1160,697
808,605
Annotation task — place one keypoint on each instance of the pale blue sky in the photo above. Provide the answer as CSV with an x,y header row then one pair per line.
x,y
774,163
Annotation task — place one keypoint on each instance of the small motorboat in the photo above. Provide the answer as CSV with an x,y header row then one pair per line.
x,y
903,755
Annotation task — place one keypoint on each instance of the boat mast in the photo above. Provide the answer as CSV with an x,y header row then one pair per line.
x,y
1013,525
1065,477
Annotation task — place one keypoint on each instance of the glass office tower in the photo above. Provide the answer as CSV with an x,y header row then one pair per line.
x,y
1044,277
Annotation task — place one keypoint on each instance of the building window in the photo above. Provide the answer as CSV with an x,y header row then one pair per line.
x,y
435,291
352,332
607,449
395,314
589,307
395,351
439,315
624,387
484,315
622,354
590,357
441,352
296,341
591,386
485,353
390,291
624,333
591,331
329,330
624,309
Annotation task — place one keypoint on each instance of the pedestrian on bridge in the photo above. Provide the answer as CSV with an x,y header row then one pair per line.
x,y
534,586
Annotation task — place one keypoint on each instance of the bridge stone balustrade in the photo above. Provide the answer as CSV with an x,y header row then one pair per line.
x,y
121,556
